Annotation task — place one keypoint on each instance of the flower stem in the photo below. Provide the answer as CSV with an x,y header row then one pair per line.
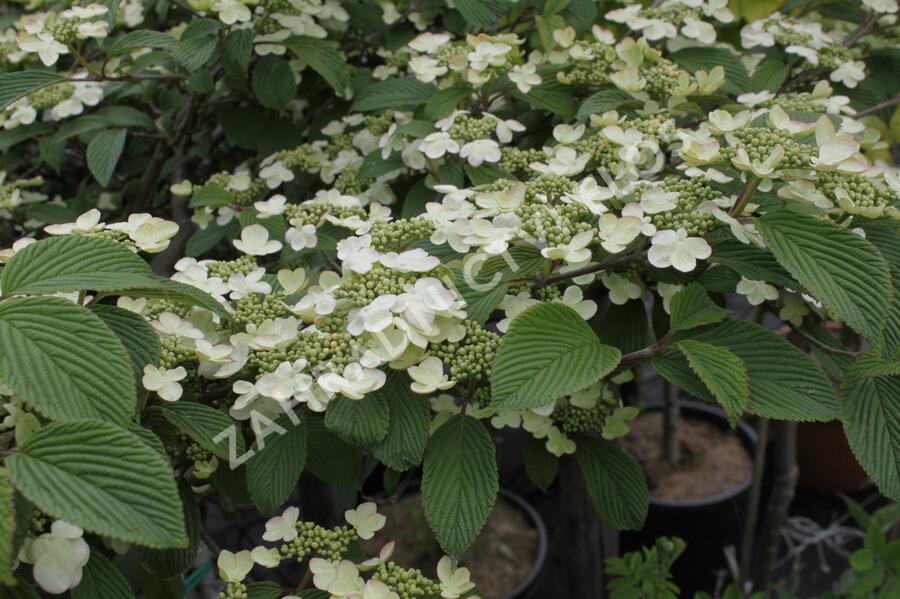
x,y
744,196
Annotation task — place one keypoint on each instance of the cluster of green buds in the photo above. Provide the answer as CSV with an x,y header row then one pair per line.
x,y
313,540
471,357
408,583
397,235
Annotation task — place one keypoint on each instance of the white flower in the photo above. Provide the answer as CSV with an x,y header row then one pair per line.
x,y
574,252
757,292
255,241
365,519
558,443
164,381
292,280
525,77
506,128
722,121
616,233
284,527
567,134
45,45
58,557
89,221
232,11
415,260
698,30
242,285
882,6
428,42
289,380
271,207
656,199
480,151
149,233
426,68
234,567
574,298
374,317
375,589
428,376
761,169
590,195
357,254
564,161
454,581
169,323
488,54
676,249
849,73
275,174
355,382
266,557
300,238
621,289
437,144
341,581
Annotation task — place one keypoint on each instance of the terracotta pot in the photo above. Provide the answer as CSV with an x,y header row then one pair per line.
x,y
825,460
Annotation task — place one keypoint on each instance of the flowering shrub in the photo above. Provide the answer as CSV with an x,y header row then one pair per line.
x,y
322,235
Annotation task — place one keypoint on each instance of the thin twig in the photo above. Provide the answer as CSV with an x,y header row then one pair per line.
x,y
878,107
600,266
824,346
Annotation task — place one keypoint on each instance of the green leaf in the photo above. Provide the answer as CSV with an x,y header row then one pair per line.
x,y
212,195
838,267
407,434
749,261
459,483
694,59
58,263
103,154
373,165
481,14
553,96
276,466
615,483
723,373
100,579
870,411
672,366
549,351
393,94
193,52
445,101
22,590
482,294
140,340
785,383
64,362
540,464
8,552
18,84
273,82
769,76
78,262
202,424
323,58
359,421
485,174
264,590
173,562
603,100
329,458
691,307
102,478
237,50
141,38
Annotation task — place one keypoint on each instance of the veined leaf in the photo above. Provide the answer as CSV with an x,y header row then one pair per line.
x,y
393,94
273,471
785,383
691,307
102,478
8,553
19,84
362,422
407,434
481,14
460,482
723,373
64,362
549,352
839,268
323,58
202,424
172,562
603,100
100,579
140,340
540,465
273,82
615,483
329,458
737,80
870,411
140,38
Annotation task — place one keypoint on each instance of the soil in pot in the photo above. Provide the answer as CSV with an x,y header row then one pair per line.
x,y
713,461
703,499
499,559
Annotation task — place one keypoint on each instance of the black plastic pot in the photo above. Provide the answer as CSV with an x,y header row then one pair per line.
x,y
528,587
708,525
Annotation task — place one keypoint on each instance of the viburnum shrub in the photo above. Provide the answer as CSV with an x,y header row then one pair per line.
x,y
249,240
